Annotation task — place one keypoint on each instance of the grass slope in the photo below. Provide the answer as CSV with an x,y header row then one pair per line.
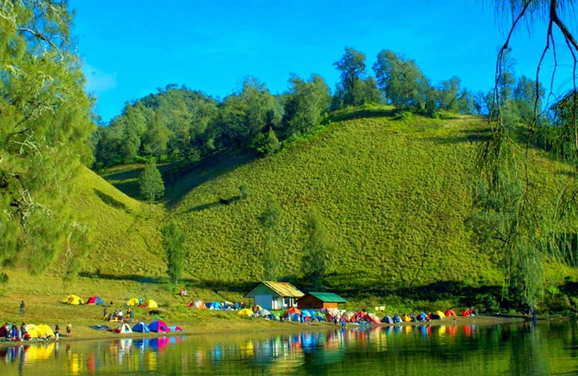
x,y
395,195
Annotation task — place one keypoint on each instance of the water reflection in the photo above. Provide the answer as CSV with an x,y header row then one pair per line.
x,y
413,350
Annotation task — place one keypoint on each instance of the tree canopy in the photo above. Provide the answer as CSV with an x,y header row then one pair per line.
x,y
45,126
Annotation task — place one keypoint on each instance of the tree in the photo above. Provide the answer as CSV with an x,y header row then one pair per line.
x,y
173,244
244,115
45,128
271,221
151,183
354,89
317,250
304,104
527,236
401,81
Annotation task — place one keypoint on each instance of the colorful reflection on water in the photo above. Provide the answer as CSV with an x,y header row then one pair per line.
x,y
525,349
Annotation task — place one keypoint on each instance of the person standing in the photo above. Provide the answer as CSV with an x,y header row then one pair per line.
x,y
56,332
68,329
22,306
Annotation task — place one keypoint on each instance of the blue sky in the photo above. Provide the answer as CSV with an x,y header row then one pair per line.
x,y
130,48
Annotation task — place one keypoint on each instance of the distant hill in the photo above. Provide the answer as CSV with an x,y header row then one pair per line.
x,y
395,195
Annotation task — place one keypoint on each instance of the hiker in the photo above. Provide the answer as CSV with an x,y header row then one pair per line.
x,y
68,329
131,315
56,332
105,314
23,329
22,306
6,331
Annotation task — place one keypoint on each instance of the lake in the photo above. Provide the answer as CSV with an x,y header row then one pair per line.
x,y
545,348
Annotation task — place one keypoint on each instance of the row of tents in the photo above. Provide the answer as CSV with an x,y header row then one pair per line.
x,y
226,306
97,300
41,331
156,326
334,315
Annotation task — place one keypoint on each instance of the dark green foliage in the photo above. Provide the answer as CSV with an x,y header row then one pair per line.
x,y
270,143
173,244
355,88
304,105
271,219
45,128
244,115
317,251
401,81
151,183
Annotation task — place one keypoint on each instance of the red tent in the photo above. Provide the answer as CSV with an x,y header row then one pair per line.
x,y
467,312
450,312
291,311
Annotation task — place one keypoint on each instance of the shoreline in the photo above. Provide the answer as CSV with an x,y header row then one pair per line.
x,y
262,326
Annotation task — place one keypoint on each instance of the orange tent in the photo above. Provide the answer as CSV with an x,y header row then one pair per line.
x,y
450,312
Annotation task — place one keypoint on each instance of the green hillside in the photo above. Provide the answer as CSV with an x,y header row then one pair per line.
x,y
394,193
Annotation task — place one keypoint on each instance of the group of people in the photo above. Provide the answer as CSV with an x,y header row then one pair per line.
x,y
118,316
15,333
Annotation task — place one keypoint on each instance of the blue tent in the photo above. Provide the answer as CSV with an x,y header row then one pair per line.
x,y
387,320
396,319
421,317
306,313
141,327
213,305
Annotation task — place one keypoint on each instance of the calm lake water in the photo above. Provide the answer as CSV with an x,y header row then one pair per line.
x,y
548,348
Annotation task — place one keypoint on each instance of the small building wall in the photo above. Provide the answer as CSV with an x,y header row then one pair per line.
x,y
265,301
311,302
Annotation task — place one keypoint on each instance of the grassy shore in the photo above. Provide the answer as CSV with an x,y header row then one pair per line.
x,y
43,298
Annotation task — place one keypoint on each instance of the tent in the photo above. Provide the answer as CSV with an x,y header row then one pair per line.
x,y
95,300
307,313
159,327
197,304
214,305
441,314
450,312
73,299
387,320
123,328
348,316
396,319
141,327
372,318
245,312
421,317
150,304
407,318
133,302
290,311
32,331
468,312
175,328
45,331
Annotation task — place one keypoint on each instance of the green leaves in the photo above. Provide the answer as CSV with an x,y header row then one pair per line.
x,y
45,125
173,243
151,183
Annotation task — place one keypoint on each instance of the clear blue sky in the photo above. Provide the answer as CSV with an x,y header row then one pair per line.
x,y
131,48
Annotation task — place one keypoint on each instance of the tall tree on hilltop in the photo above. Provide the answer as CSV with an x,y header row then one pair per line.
x,y
354,89
243,116
305,103
173,243
151,183
45,128
401,80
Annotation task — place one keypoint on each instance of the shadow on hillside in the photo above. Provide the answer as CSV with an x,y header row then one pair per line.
x,y
363,113
466,135
111,201
180,180
126,181
221,201
122,277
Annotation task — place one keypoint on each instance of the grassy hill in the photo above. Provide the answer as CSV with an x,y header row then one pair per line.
x,y
395,194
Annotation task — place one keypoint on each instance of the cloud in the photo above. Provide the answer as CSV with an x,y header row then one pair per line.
x,y
98,81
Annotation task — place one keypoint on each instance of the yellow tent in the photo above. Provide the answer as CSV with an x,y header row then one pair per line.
x,y
245,312
441,314
73,299
33,331
44,330
150,304
133,302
